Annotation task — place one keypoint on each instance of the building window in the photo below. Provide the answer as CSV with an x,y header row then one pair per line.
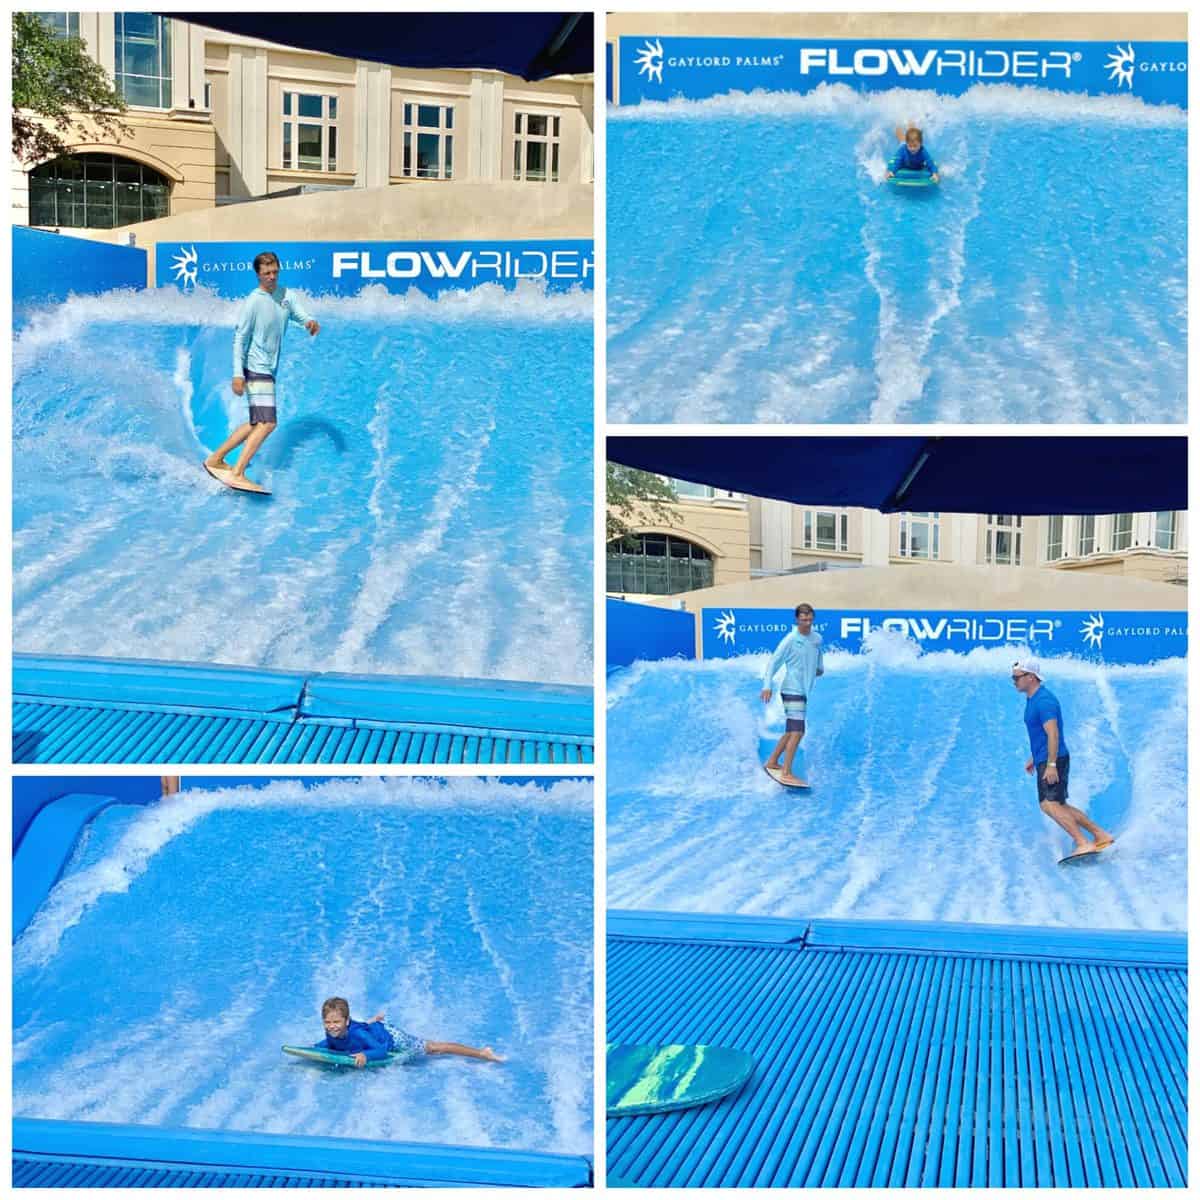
x,y
143,59
95,191
62,25
919,535
692,491
826,530
1054,539
1086,536
208,93
1004,540
1122,531
535,148
654,564
310,131
428,141
1166,528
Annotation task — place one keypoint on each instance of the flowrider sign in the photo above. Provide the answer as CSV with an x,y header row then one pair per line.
x,y
343,268
1116,637
658,68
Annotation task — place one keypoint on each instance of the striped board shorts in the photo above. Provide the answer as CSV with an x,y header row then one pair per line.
x,y
795,708
260,394
405,1043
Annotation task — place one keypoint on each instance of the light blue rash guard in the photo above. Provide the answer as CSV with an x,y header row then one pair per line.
x,y
1041,707
371,1039
905,160
803,655
260,328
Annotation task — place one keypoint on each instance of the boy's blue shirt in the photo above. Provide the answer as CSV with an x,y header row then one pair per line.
x,y
905,160
370,1039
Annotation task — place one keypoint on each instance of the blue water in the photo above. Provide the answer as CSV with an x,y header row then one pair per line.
x,y
920,808
188,941
431,474
759,269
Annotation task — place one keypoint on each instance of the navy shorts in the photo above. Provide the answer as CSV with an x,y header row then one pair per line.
x,y
795,708
1055,793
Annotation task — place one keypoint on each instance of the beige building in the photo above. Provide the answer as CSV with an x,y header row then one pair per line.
x,y
719,538
214,118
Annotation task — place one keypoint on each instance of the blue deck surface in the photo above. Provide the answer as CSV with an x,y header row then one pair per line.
x,y
891,1055
87,1154
89,710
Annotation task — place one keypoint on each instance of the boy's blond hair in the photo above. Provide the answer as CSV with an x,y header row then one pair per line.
x,y
335,1004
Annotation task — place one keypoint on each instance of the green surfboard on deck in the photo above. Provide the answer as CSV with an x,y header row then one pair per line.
x,y
659,1079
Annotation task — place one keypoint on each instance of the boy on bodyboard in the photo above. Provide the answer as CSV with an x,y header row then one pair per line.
x,y
912,155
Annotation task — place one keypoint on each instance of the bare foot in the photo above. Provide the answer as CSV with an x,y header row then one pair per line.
x,y
792,781
218,464
1080,851
773,766
1104,843
490,1054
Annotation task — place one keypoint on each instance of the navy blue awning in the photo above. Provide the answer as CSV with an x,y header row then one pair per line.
x,y
1030,476
532,45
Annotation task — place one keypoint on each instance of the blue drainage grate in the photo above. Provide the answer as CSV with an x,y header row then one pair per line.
x,y
878,1068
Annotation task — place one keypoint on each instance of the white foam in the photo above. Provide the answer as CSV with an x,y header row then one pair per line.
x,y
159,824
529,301
905,105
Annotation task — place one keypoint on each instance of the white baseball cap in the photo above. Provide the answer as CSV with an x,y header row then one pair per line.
x,y
1027,666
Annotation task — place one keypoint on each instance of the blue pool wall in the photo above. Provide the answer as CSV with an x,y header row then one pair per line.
x,y
655,68
49,267
32,793
641,631
534,707
133,1155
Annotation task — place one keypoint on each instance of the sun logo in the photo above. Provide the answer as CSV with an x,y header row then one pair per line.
x,y
649,60
1120,65
726,627
1093,630
186,264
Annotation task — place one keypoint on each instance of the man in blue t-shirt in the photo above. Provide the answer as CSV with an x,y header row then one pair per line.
x,y
1049,759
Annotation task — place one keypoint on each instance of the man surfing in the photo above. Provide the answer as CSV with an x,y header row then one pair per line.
x,y
802,655
257,343
1050,761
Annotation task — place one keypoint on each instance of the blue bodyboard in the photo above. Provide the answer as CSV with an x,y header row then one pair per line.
x,y
1089,860
330,1058
911,179
659,1079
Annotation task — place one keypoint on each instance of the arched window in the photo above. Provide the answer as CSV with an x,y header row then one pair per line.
x,y
656,564
95,191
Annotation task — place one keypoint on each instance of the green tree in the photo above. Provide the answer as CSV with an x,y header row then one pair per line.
x,y
633,493
54,79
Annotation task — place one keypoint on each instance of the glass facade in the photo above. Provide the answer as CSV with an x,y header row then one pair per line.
x,y
428,141
920,534
655,564
95,191
62,25
143,59
535,147
310,141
